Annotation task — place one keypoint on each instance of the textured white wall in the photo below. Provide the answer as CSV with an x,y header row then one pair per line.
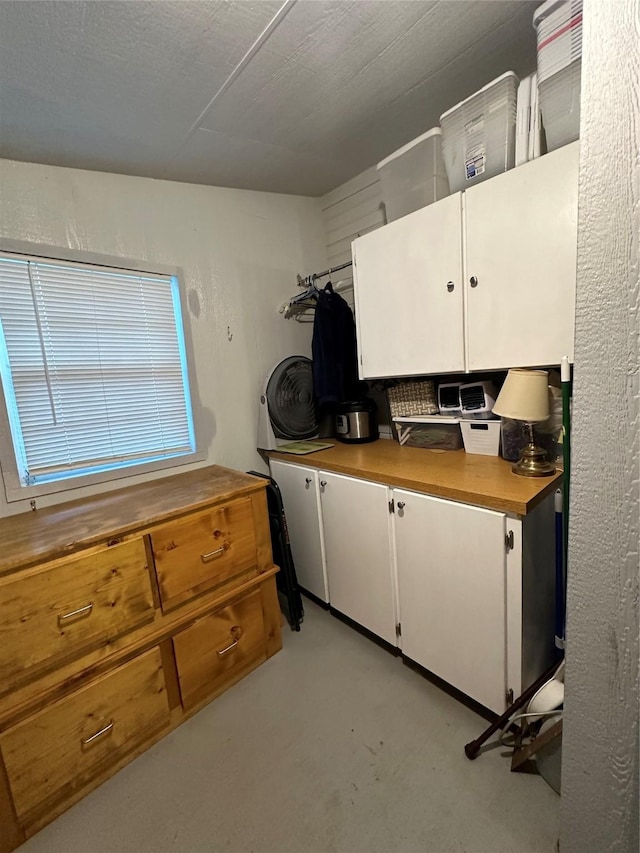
x,y
600,760
239,250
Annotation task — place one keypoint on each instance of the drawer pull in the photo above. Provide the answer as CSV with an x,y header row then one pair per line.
x,y
230,648
105,731
212,554
76,614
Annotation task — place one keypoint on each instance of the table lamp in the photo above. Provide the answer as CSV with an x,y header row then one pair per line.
x,y
525,397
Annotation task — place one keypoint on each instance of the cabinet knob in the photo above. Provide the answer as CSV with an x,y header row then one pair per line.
x,y
450,286
308,481
473,281
323,483
400,505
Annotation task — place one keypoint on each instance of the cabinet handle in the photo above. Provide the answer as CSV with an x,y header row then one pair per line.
x,y
450,286
400,505
212,554
230,648
75,614
308,481
473,281
105,731
323,483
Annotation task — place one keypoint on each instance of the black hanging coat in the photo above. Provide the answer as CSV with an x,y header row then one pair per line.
x,y
335,365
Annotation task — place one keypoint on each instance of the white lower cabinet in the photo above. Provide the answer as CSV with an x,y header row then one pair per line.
x,y
472,589
301,498
451,561
357,543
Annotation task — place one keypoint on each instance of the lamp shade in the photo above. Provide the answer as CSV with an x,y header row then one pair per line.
x,y
524,396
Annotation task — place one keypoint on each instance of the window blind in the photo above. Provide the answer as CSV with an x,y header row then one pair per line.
x,y
93,366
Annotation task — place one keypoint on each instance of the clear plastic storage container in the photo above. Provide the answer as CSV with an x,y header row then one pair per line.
x,y
479,134
414,175
558,25
435,432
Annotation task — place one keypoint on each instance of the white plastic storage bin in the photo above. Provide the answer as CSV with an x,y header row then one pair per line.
x,y
558,25
414,175
479,134
481,437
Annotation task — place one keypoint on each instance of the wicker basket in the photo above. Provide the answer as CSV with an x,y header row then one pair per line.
x,y
413,397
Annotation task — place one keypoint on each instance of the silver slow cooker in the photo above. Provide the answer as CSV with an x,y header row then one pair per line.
x,y
356,421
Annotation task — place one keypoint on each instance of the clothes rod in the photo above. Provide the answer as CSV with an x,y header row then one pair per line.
x,y
331,270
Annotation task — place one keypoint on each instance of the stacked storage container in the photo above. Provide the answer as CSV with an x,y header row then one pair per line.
x,y
559,27
479,134
528,121
414,175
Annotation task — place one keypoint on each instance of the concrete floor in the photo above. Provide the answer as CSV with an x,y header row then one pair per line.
x,y
332,745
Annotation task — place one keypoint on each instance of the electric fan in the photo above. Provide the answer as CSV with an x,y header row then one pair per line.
x,y
287,405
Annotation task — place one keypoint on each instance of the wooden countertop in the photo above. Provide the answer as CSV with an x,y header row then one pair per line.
x,y
56,531
482,480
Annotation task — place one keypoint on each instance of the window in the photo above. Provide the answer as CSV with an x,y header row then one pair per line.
x,y
94,371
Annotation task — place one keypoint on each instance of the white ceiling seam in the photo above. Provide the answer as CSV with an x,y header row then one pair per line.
x,y
335,49
340,104
397,40
246,59
300,97
455,59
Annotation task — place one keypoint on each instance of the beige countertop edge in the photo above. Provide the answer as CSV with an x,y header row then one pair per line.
x,y
489,498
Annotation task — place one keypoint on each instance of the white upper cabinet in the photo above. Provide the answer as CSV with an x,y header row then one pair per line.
x,y
408,289
481,280
520,264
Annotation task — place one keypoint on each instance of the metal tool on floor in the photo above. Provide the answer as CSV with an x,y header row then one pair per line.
x,y
472,749
542,720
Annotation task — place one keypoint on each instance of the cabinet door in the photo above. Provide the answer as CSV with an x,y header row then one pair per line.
x,y
355,515
299,487
58,611
451,581
204,550
217,650
408,291
521,236
77,741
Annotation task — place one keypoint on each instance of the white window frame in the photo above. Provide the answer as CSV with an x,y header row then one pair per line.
x,y
13,487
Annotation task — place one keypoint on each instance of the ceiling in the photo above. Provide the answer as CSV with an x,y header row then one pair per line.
x,y
292,97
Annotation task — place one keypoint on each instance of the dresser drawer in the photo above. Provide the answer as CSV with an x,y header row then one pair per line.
x,y
219,649
59,750
203,551
55,612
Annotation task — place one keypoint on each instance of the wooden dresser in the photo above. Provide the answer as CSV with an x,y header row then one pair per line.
x,y
120,616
